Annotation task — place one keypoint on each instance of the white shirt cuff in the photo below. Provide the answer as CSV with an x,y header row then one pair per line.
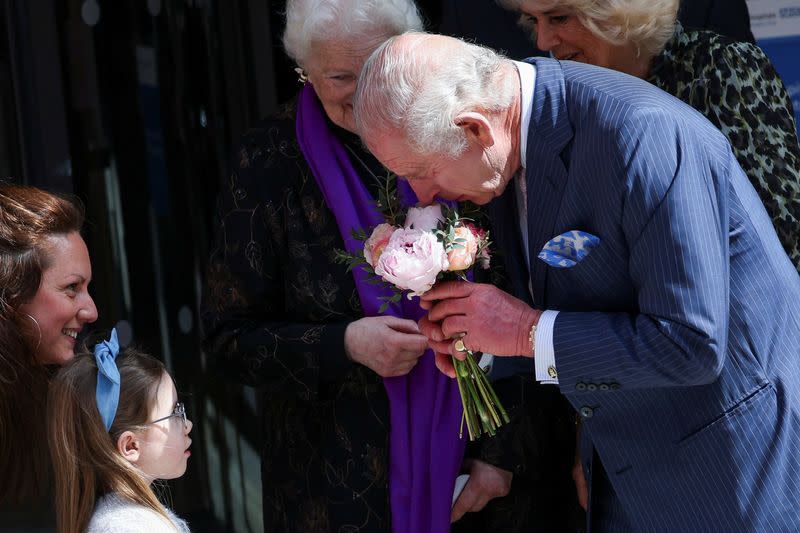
x,y
544,355
486,362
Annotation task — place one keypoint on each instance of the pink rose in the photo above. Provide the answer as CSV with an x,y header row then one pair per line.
x,y
412,260
424,218
464,250
484,258
374,246
480,233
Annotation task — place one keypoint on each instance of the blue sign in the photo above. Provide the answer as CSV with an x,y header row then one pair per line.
x,y
776,26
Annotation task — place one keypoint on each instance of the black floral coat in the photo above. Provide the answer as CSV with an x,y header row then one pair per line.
x,y
275,318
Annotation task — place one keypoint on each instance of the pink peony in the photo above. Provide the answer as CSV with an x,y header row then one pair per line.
x,y
374,246
463,254
424,218
412,260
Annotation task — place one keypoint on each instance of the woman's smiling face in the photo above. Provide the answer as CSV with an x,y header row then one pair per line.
x,y
62,305
560,32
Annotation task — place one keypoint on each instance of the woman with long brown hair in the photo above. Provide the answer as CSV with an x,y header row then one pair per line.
x,y
44,303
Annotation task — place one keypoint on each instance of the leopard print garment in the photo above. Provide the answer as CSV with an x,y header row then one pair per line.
x,y
736,87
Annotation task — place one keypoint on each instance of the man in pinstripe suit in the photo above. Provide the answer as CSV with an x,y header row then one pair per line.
x,y
675,334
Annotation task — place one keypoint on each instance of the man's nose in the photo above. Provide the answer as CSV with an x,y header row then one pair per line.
x,y
425,191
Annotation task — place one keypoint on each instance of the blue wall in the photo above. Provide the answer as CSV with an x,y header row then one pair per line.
x,y
776,26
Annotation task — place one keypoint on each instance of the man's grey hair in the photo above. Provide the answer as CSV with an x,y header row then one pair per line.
x,y
310,22
403,88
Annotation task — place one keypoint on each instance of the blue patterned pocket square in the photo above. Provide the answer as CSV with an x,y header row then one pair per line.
x,y
566,250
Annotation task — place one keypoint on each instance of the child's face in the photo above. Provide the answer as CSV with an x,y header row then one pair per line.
x,y
164,445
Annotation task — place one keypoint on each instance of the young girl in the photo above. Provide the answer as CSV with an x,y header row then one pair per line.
x,y
115,425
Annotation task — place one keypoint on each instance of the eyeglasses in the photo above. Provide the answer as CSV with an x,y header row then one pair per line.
x,y
180,410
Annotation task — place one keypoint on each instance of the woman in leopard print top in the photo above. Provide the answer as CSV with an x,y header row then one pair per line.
x,y
732,83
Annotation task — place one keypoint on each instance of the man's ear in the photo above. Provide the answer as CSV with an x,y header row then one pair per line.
x,y
128,446
477,128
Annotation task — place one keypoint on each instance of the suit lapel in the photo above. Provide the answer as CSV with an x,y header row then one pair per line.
x,y
506,233
549,135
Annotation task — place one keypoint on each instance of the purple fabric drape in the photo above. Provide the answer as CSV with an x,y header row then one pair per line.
x,y
425,452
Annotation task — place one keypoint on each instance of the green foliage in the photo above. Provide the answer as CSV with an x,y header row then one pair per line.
x,y
352,261
388,202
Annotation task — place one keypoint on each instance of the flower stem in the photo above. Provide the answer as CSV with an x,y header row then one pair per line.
x,y
483,412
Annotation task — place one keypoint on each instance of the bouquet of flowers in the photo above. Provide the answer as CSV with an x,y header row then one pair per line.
x,y
410,252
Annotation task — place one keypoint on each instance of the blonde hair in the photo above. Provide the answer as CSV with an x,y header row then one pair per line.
x,y
86,462
647,24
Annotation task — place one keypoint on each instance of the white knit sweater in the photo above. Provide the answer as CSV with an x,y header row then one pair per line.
x,y
113,514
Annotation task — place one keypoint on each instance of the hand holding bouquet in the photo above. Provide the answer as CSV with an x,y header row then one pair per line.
x,y
411,252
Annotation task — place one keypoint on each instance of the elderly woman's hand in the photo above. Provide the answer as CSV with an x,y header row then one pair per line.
x,y
486,482
387,345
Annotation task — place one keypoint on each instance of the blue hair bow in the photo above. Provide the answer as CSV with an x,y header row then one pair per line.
x,y
107,392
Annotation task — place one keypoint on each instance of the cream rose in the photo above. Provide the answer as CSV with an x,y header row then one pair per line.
x,y
463,254
374,246
412,260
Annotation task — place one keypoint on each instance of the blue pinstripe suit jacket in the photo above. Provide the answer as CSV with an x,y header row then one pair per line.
x,y
678,338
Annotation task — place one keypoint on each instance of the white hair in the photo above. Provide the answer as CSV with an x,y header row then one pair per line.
x,y
317,21
647,24
404,89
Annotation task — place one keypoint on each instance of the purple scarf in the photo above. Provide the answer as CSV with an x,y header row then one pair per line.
x,y
425,452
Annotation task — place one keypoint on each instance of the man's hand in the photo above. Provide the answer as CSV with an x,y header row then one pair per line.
x,y
581,487
441,350
387,345
493,321
485,483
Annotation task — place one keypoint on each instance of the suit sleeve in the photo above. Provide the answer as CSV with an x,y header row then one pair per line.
x,y
248,332
675,224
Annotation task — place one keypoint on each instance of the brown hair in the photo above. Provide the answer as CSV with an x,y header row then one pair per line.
x,y
86,462
28,218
